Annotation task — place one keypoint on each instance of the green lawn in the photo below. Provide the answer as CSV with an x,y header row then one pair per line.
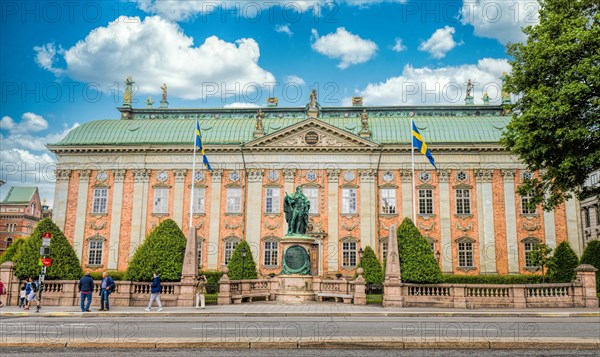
x,y
374,298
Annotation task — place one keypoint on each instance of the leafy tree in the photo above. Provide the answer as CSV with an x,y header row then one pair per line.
x,y
373,272
13,251
556,73
591,255
65,264
417,262
162,251
562,266
540,256
235,263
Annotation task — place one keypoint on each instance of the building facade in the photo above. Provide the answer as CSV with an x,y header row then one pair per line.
x,y
590,211
19,213
118,178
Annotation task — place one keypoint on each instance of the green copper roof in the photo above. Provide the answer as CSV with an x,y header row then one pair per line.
x,y
235,131
19,194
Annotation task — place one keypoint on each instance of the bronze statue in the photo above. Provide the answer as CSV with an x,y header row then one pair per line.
x,y
296,207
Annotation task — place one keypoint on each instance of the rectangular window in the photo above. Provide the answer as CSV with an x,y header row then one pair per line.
x,y
312,193
99,202
425,201
348,200
384,249
234,200
586,217
388,200
597,209
272,200
229,248
95,252
463,201
528,248
161,200
525,208
594,179
465,254
271,253
199,243
349,254
199,193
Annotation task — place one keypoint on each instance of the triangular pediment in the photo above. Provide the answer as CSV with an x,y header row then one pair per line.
x,y
314,134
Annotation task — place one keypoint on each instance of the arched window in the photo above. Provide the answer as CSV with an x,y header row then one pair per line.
x,y
9,242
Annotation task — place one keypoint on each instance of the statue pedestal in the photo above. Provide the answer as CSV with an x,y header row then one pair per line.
x,y
295,288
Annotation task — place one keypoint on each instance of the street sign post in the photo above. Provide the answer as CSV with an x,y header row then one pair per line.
x,y
46,262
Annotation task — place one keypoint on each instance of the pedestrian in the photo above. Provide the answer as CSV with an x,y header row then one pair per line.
x,y
31,295
86,287
200,291
22,296
2,292
106,287
155,292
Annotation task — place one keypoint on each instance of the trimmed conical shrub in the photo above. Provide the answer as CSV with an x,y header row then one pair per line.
x,y
13,251
65,264
563,263
235,263
591,255
162,251
417,262
373,273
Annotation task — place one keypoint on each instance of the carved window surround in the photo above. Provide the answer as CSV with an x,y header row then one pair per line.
x,y
198,185
233,214
533,240
388,215
349,185
465,239
466,268
94,266
100,215
388,185
160,214
161,185
274,215
198,215
426,216
234,185
101,185
96,237
462,186
425,186
463,216
529,215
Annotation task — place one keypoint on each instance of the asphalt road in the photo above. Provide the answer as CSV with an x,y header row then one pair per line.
x,y
9,352
123,329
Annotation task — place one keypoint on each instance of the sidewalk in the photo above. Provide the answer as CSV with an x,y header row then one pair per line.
x,y
273,309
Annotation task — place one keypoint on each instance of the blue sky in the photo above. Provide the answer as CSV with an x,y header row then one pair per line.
x,y
64,63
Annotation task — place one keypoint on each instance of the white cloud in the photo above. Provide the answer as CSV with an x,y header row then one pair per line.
x,y
500,20
45,57
343,45
443,85
30,123
284,29
155,51
398,46
178,10
241,105
440,43
24,159
295,80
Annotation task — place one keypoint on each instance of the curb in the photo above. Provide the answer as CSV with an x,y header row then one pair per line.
x,y
342,344
299,314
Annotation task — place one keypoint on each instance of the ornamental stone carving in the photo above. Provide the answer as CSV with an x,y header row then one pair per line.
x,y
141,175
484,175
406,176
119,175
509,175
84,175
271,226
63,175
466,228
233,225
349,227
333,175
217,175
180,175
289,174
255,175
530,227
444,175
367,175
427,228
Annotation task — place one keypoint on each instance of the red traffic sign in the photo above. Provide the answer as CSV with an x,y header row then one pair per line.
x,y
47,235
47,262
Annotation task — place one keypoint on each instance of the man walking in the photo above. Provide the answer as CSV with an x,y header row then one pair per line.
x,y
155,292
86,287
106,287
2,292
31,289
200,291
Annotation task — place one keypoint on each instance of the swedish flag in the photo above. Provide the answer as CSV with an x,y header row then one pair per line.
x,y
200,147
420,144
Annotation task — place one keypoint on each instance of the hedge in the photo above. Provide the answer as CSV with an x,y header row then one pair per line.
x,y
162,251
235,263
116,275
65,264
591,255
563,263
212,280
373,273
417,262
13,251
491,279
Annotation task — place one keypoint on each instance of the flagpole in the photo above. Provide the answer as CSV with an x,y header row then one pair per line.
x,y
412,154
193,175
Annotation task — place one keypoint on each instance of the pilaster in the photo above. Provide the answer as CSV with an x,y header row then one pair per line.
x,y
445,230
254,211
61,191
82,196
141,178
115,219
178,196
485,207
367,209
215,219
332,220
407,189
510,212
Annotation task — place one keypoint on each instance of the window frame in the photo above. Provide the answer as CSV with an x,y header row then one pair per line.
x,y
199,206
349,195
235,200
270,251
274,200
391,209
234,241
94,252
464,255
425,201
462,203
161,204
314,200
348,254
99,201
525,209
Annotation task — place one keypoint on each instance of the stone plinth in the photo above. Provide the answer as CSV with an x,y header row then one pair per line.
x,y
295,288
392,288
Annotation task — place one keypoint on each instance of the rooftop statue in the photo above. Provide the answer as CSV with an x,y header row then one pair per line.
x,y
296,206
469,88
127,96
364,120
260,115
164,92
313,100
